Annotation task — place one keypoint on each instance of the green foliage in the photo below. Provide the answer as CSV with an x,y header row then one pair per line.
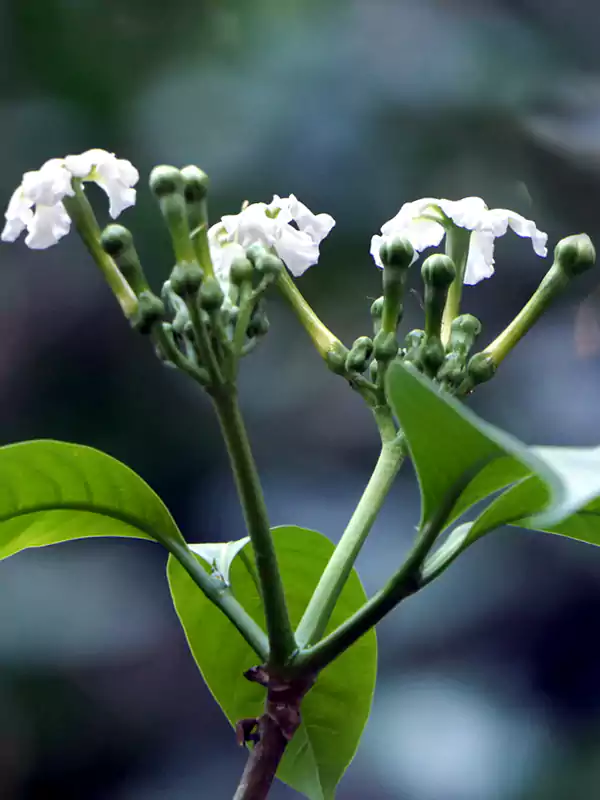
x,y
450,446
550,489
335,711
53,492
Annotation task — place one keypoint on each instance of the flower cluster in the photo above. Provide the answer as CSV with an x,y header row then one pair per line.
x,y
284,225
37,204
425,222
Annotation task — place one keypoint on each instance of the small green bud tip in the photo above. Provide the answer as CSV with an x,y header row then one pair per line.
x,y
432,355
575,254
359,355
195,184
241,270
385,346
150,310
186,278
211,295
466,324
255,252
335,358
165,180
268,264
115,239
481,368
438,271
377,309
396,253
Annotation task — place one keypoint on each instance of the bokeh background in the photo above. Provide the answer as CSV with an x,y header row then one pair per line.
x,y
488,685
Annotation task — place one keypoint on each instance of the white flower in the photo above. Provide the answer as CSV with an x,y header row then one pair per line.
x,y
272,225
37,204
423,223
115,175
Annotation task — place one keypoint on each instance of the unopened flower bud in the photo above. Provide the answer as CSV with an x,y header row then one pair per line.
x,y
259,322
117,242
186,278
463,332
150,310
167,183
396,255
438,272
195,184
211,295
432,355
268,264
453,370
413,342
241,270
359,355
335,358
575,254
385,346
377,308
481,368
396,252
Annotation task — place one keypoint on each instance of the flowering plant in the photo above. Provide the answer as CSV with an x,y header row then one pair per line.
x,y
278,621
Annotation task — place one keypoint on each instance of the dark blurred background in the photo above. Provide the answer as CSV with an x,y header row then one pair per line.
x,y
488,685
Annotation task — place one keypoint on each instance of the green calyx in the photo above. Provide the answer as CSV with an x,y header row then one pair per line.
x,y
359,355
150,310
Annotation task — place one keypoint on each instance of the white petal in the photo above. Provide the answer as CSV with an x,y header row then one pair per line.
x,y
81,165
523,227
297,250
317,226
47,226
18,215
116,176
467,213
376,242
49,184
480,262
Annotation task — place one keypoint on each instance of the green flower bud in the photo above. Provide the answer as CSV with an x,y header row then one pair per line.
x,y
396,253
385,346
335,358
117,242
453,370
481,368
211,295
575,254
438,271
463,332
268,264
259,323
432,355
150,310
413,342
256,251
377,308
241,270
359,355
195,184
165,181
186,278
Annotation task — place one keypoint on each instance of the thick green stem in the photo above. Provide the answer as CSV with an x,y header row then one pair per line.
x,y
219,594
457,248
79,209
333,579
281,637
405,582
551,286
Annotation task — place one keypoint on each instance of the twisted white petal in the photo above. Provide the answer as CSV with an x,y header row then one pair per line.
x,y
424,222
37,204
285,225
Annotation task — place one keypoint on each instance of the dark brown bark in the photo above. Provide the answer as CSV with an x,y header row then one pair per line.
x,y
270,733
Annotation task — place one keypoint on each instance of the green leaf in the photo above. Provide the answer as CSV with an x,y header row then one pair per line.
x,y
54,491
335,711
574,512
450,446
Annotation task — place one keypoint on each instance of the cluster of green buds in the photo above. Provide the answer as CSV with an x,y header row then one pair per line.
x,y
444,353
202,323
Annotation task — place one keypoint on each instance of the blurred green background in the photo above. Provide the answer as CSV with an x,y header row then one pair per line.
x,y
488,686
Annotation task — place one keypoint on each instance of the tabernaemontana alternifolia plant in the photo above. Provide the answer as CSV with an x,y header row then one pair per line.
x,y
277,621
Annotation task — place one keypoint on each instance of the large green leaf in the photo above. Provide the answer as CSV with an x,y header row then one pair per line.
x,y
574,513
335,711
53,492
451,446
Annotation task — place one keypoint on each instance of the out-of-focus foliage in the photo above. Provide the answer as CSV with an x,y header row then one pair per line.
x,y
488,680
